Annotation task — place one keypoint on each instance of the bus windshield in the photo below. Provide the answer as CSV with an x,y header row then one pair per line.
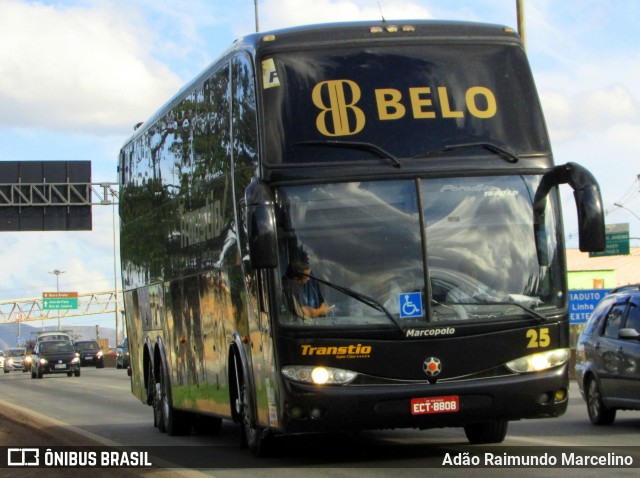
x,y
361,248
447,94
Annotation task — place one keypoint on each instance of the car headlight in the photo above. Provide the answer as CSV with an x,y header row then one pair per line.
x,y
318,375
539,361
43,361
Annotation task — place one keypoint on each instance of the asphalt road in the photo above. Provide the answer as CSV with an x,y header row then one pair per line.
x,y
18,429
98,409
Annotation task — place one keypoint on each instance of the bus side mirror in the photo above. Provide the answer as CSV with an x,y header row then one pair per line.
x,y
261,225
588,204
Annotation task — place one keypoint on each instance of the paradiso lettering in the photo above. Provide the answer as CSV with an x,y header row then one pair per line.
x,y
348,119
201,224
346,351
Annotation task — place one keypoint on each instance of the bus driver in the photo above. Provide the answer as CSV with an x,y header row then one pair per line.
x,y
303,292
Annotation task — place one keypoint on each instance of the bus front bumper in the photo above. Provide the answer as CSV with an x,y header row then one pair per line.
x,y
308,408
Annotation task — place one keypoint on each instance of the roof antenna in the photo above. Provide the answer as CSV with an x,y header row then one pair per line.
x,y
381,14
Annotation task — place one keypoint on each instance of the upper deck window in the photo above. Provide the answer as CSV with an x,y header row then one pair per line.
x,y
407,100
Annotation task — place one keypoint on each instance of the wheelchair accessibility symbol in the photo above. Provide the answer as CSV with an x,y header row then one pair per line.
x,y
410,304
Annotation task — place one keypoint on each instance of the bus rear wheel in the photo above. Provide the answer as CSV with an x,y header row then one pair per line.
x,y
487,432
165,417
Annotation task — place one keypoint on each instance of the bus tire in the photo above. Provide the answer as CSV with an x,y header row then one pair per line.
x,y
172,421
486,432
251,436
599,414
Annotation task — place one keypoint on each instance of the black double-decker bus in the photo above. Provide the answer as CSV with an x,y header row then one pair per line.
x,y
347,227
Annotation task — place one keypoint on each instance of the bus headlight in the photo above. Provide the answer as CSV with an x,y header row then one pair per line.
x,y
539,361
318,375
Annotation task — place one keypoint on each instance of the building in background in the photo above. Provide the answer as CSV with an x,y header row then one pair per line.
x,y
607,272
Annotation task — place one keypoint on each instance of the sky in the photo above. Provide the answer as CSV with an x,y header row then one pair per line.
x,y
77,75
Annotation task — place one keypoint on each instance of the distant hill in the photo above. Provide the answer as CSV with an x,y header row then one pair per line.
x,y
9,333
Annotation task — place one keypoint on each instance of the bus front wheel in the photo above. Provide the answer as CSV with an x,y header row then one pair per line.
x,y
251,436
487,432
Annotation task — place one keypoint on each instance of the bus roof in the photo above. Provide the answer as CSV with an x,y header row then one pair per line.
x,y
333,33
365,32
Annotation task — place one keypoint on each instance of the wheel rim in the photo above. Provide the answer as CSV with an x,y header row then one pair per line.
x,y
246,416
594,399
164,400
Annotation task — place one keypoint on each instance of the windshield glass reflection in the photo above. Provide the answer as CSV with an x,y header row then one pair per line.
x,y
352,253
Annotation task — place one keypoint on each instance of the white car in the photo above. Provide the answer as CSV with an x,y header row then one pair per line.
x,y
1,359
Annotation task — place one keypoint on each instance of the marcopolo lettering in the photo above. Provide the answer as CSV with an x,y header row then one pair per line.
x,y
340,116
430,332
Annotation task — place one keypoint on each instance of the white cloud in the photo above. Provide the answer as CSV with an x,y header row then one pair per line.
x,y
607,106
77,68
570,114
284,13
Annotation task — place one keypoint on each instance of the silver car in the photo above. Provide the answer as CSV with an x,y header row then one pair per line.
x,y
14,358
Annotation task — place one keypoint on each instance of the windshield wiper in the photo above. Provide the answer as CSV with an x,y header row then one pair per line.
x,y
365,299
537,315
494,148
359,145
540,317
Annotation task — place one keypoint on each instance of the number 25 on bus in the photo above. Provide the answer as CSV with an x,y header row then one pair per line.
x,y
349,227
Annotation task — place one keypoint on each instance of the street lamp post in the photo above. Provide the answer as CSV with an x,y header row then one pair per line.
x,y
617,204
57,273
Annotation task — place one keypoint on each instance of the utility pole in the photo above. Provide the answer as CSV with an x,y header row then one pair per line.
x,y
255,5
57,273
520,14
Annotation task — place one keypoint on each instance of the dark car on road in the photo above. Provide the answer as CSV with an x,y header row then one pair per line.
x,y
122,357
56,356
90,353
608,356
42,337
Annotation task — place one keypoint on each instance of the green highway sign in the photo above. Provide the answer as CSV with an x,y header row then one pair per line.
x,y
617,241
59,300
